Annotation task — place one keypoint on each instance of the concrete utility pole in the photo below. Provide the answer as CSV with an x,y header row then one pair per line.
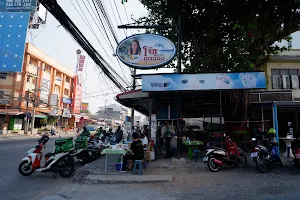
x,y
133,88
26,113
34,103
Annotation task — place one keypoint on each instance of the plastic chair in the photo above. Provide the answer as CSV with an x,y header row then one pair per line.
x,y
196,154
140,164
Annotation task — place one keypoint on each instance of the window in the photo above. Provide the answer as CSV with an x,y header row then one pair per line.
x,y
285,78
66,92
68,79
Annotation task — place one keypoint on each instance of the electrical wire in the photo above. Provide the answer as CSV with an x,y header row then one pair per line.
x,y
116,18
91,29
118,14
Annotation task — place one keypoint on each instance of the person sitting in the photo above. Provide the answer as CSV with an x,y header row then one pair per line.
x,y
144,140
136,152
85,132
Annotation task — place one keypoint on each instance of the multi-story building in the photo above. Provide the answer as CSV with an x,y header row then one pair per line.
x,y
283,91
43,78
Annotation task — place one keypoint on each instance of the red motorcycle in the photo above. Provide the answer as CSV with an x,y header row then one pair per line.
x,y
217,157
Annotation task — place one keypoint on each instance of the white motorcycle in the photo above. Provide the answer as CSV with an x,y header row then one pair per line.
x,y
58,163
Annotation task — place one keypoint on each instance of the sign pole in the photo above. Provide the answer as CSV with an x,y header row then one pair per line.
x,y
133,88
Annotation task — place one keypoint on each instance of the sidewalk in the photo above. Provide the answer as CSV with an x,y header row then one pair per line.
x,y
29,136
94,173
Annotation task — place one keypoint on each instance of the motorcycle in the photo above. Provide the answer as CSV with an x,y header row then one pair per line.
x,y
265,156
58,163
295,146
218,157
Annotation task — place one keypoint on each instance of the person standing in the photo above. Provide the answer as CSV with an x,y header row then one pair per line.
x,y
119,134
167,132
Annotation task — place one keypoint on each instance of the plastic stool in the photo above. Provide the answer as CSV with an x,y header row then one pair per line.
x,y
140,164
196,154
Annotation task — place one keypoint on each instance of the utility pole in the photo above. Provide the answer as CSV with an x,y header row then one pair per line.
x,y
26,114
34,103
133,88
179,27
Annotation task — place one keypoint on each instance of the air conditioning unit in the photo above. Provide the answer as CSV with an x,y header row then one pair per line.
x,y
295,82
286,83
276,82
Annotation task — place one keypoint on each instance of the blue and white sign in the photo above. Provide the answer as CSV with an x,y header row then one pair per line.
x,y
18,5
146,51
13,29
211,81
67,100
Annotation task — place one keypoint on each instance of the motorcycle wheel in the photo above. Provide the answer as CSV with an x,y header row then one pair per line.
x,y
241,161
70,169
261,163
296,163
25,169
211,165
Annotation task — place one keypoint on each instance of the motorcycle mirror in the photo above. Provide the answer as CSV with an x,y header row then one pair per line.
x,y
253,139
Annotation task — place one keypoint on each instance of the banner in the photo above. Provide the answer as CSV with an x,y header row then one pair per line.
x,y
146,51
84,108
13,30
81,60
209,81
18,5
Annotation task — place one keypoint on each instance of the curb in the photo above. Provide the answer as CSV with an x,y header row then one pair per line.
x,y
87,177
124,179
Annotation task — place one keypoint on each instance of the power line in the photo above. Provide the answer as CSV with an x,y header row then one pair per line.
x,y
118,14
93,32
127,16
116,17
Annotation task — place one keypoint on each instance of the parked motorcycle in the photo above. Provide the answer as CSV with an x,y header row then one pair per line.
x,y
55,162
265,156
295,146
218,157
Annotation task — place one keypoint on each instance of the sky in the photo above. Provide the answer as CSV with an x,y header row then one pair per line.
x,y
57,43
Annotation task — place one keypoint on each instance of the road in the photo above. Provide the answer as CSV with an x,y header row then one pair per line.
x,y
14,186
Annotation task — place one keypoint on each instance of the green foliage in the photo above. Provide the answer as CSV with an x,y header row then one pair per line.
x,y
43,121
220,35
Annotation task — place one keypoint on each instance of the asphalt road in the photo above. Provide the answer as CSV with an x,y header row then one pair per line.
x,y
13,185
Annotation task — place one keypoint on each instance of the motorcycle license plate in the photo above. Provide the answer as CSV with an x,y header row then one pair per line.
x,y
297,155
205,159
253,155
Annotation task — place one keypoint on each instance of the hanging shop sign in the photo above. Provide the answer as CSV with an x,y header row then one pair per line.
x,y
146,51
81,60
84,108
67,100
211,81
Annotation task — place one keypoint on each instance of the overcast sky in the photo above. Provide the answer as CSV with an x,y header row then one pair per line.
x,y
56,42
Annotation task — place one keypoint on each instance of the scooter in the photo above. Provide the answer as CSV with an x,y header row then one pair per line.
x,y
265,156
218,157
58,163
295,146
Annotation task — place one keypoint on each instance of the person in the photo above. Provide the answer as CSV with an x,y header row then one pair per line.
x,y
135,50
52,130
259,133
119,134
99,132
85,132
136,152
167,132
144,139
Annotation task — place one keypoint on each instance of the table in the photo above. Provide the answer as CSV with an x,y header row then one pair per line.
x,y
288,142
121,152
190,145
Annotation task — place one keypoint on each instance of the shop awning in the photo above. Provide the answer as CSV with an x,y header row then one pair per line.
x,y
10,112
192,103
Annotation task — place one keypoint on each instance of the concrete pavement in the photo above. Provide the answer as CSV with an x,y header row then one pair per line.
x,y
13,185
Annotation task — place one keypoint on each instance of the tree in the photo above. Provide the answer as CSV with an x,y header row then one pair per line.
x,y
222,35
